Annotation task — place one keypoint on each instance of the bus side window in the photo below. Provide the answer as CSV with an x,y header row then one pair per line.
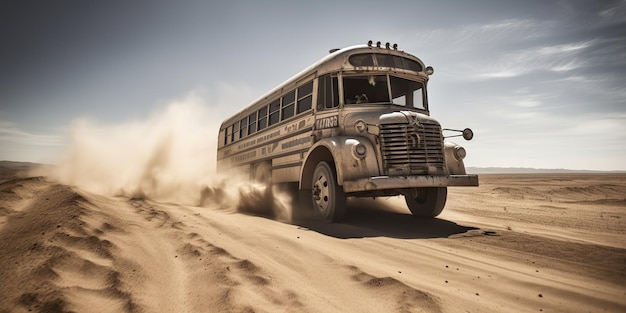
x,y
262,117
252,123
327,92
274,112
305,97
289,103
235,131
244,127
227,132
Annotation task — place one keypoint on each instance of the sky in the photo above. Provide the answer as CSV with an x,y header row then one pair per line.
x,y
541,83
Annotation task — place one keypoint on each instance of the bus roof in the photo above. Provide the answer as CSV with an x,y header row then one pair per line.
x,y
330,63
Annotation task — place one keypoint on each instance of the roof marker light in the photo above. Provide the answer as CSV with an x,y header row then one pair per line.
x,y
387,46
369,43
395,46
378,44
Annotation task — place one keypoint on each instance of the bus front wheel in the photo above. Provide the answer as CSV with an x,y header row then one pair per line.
x,y
329,200
426,202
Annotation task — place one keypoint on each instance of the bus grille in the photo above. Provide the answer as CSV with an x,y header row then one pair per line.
x,y
412,150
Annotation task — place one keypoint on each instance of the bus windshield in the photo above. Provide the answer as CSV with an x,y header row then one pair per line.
x,y
375,89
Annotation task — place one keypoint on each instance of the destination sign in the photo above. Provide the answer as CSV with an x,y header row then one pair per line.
x,y
327,122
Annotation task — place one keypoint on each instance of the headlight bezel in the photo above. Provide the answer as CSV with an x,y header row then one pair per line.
x,y
459,153
359,151
360,126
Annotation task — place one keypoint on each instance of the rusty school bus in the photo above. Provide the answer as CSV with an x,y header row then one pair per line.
x,y
356,123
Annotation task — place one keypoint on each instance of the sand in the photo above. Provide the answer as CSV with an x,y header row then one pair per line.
x,y
517,243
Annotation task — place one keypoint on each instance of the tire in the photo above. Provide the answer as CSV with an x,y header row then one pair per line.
x,y
262,173
426,202
329,200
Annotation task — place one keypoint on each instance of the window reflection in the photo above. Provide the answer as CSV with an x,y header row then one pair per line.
x,y
375,89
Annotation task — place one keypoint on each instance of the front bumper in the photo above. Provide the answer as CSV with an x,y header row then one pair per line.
x,y
403,182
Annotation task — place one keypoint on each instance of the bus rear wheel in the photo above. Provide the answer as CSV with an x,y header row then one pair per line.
x,y
329,200
263,203
426,202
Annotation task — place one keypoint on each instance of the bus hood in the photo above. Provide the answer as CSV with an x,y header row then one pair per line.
x,y
395,117
410,117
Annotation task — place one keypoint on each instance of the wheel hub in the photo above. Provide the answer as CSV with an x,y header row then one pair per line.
x,y
316,192
321,193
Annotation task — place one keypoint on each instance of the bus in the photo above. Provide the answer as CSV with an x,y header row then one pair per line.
x,y
354,124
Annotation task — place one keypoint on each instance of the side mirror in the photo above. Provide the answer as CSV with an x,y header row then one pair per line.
x,y
468,134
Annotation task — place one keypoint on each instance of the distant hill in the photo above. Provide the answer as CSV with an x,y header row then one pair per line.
x,y
18,165
10,170
528,170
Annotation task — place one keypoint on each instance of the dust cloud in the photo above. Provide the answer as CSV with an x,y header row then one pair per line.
x,y
168,157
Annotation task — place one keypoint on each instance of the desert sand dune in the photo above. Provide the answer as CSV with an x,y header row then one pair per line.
x,y
518,243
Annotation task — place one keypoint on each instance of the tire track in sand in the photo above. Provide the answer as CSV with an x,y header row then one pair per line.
x,y
202,275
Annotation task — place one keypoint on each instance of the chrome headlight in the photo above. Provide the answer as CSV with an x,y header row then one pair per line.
x,y
359,151
459,153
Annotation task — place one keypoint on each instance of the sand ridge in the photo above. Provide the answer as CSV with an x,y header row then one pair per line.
x,y
52,254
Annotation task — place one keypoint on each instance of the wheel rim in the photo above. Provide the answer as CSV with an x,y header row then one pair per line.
x,y
321,192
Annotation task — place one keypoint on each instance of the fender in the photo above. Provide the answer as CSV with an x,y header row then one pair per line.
x,y
454,155
342,152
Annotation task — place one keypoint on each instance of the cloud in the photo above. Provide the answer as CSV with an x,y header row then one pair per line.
x,y
555,58
615,13
528,103
584,40
564,48
474,41
520,29
11,133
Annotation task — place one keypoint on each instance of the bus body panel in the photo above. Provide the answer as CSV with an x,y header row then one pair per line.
x,y
347,164
284,146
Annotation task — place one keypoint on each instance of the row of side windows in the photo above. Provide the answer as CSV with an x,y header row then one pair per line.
x,y
290,104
